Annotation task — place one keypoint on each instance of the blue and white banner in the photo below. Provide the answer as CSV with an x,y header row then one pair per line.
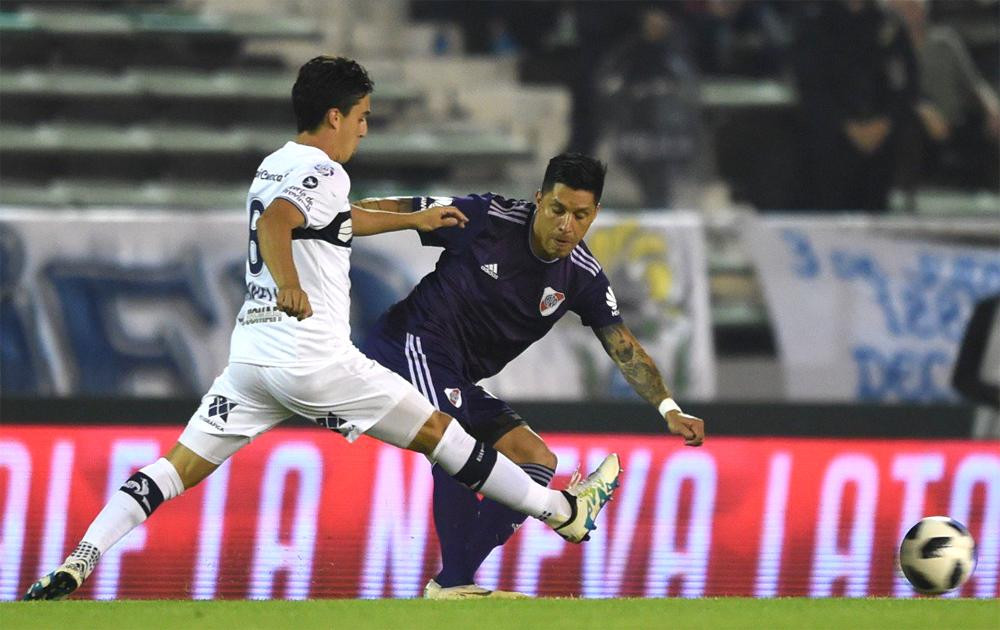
x,y
872,309
109,303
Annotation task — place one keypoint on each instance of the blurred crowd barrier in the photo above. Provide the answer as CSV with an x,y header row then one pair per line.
x,y
143,304
862,309
873,309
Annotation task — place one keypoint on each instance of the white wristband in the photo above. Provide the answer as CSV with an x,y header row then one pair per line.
x,y
668,404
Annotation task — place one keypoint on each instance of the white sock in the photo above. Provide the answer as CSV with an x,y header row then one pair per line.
x,y
118,517
133,503
462,457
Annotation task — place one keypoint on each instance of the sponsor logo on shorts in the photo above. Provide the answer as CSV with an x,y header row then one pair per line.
x,y
220,407
310,182
551,299
215,425
335,423
218,413
454,395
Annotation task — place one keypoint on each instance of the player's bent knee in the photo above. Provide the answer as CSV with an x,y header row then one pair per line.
x,y
191,467
524,446
536,454
430,433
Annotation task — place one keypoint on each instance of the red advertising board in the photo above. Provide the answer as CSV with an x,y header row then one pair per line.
x,y
302,514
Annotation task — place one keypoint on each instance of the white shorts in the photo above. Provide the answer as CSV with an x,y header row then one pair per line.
x,y
351,395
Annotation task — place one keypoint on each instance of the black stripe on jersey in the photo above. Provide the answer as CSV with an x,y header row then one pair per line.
x,y
330,233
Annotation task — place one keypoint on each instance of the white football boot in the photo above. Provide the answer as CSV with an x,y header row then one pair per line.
x,y
587,498
68,577
433,590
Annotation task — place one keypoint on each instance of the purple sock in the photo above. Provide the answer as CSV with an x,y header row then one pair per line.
x,y
497,523
455,511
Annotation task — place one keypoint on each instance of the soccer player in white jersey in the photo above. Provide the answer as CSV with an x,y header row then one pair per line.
x,y
291,351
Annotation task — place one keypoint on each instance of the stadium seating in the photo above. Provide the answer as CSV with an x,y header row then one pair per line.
x,y
165,103
158,99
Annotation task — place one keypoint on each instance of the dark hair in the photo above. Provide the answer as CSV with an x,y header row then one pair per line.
x,y
325,83
576,170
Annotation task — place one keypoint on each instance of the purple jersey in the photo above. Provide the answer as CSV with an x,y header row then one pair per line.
x,y
490,297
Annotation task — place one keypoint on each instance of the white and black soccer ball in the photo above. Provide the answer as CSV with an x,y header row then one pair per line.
x,y
937,555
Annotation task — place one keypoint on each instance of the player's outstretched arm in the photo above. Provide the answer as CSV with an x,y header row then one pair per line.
x,y
642,374
367,222
274,230
386,204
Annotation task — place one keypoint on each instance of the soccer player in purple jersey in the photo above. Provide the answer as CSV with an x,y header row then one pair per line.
x,y
500,285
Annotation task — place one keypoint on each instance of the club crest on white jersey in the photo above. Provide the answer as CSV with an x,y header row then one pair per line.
x,y
551,299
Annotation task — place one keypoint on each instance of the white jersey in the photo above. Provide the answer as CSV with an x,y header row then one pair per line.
x,y
307,178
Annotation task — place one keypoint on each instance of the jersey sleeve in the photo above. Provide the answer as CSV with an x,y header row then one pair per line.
x,y
597,305
320,192
474,207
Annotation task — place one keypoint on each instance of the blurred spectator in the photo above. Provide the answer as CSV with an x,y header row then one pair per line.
x,y
565,31
739,37
977,368
857,81
583,34
502,41
652,116
958,110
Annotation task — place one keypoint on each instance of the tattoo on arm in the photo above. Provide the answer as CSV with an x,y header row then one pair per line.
x,y
637,367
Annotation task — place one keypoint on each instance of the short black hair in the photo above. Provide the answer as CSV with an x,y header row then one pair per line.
x,y
576,170
325,83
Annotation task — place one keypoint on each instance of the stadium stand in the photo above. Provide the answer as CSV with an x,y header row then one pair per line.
x,y
161,98
169,103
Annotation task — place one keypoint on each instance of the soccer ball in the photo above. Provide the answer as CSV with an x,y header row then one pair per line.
x,y
937,555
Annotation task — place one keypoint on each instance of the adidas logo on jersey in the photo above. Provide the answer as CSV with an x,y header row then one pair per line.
x,y
491,270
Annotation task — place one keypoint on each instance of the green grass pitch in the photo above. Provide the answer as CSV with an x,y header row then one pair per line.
x,y
550,614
